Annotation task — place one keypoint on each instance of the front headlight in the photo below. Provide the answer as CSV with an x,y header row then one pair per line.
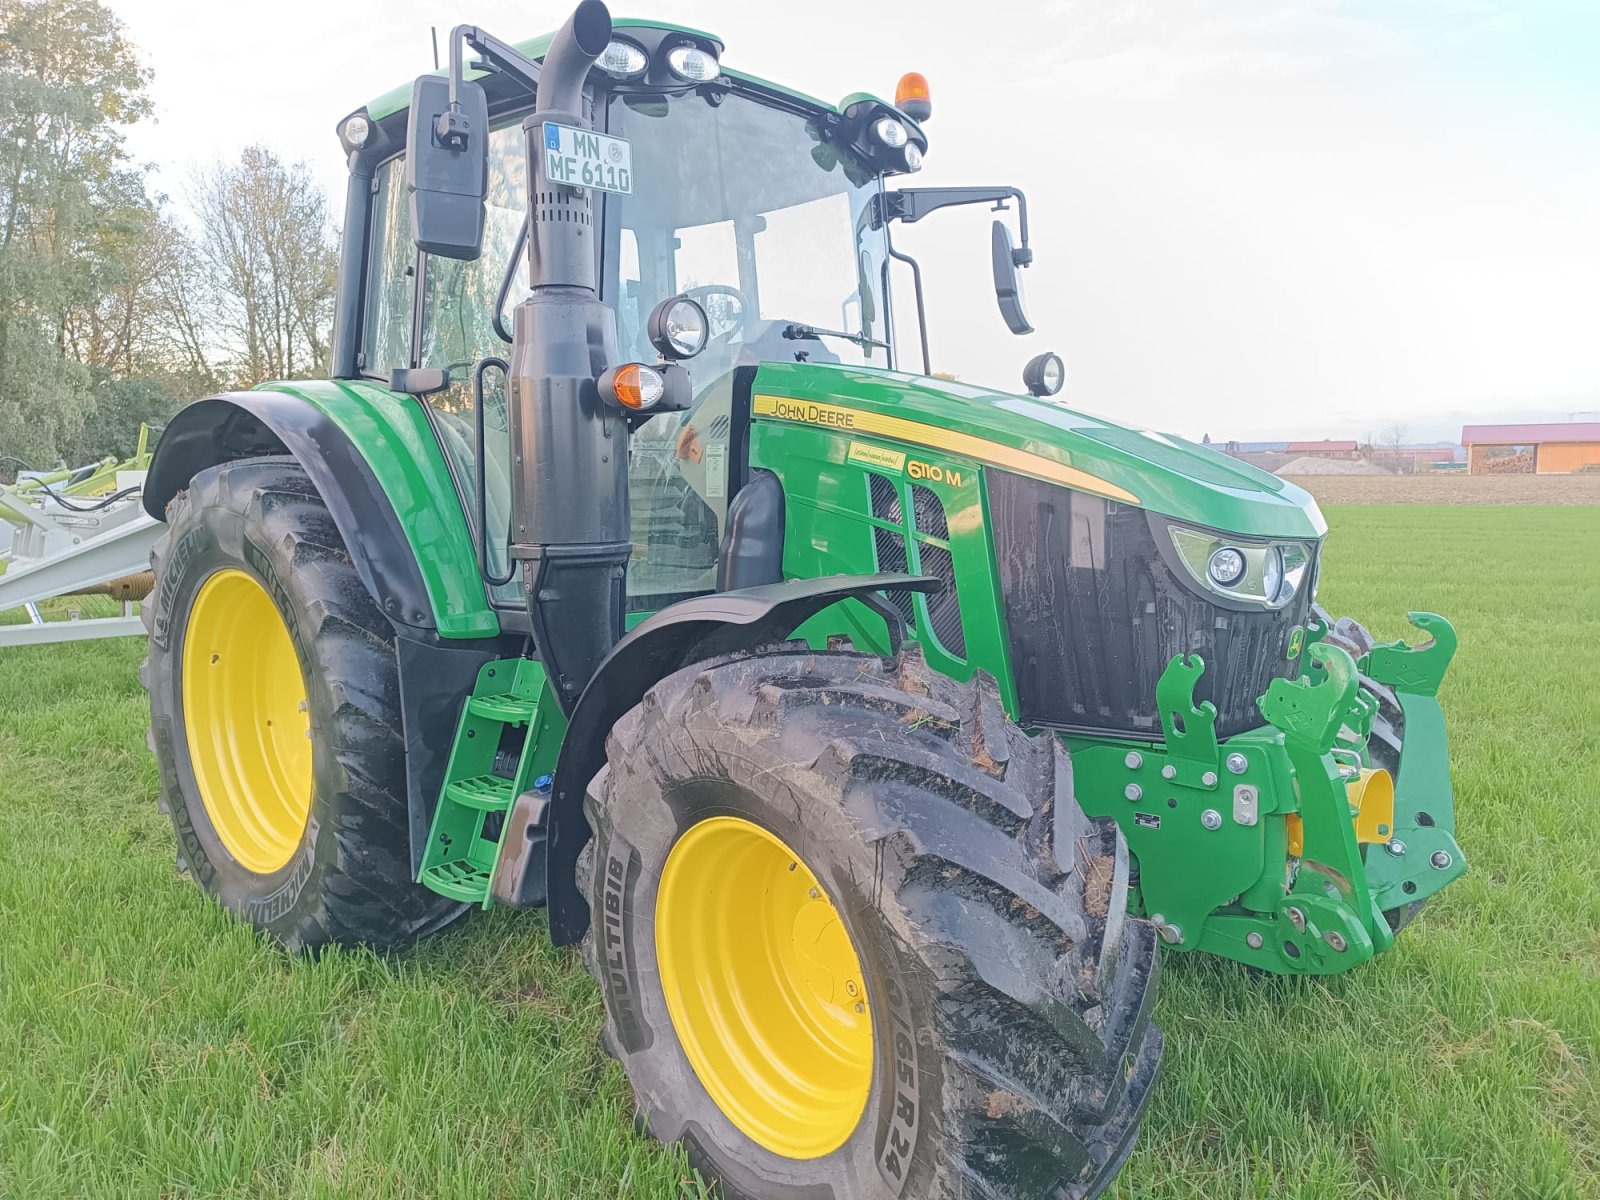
x,y
1296,568
693,64
1266,574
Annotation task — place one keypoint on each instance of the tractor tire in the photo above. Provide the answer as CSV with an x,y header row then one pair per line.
x,y
275,716
1388,727
856,939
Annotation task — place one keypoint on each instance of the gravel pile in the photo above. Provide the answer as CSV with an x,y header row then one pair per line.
x,y
1330,466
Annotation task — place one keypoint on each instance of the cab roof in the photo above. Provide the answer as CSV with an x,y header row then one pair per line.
x,y
399,98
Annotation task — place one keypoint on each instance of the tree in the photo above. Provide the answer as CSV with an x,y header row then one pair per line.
x,y
72,212
266,243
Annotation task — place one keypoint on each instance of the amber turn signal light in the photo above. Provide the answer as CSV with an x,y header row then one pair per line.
x,y
633,386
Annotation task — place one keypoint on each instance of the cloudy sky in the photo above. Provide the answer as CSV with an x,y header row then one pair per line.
x,y
1252,218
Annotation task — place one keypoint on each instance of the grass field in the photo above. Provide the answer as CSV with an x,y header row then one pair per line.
x,y
151,1047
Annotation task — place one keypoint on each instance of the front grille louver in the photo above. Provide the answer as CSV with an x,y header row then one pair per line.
x,y
929,513
943,611
885,500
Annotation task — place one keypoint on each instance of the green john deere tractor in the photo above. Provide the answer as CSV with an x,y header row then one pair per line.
x,y
869,731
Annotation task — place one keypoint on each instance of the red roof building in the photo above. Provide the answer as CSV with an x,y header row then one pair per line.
x,y
1324,449
1558,448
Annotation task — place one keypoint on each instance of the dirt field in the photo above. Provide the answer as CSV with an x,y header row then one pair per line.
x,y
1452,489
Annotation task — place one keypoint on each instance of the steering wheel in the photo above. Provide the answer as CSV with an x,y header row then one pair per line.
x,y
737,323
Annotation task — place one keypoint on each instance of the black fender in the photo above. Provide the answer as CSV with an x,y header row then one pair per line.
x,y
539,858
238,425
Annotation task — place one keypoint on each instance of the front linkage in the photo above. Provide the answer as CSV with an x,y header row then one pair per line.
x,y
1283,847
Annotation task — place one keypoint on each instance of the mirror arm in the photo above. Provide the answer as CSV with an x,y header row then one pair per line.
x,y
912,204
499,55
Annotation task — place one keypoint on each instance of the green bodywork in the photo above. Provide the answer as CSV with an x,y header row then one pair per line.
x,y
1176,800
1245,847
1322,912
395,437
1425,812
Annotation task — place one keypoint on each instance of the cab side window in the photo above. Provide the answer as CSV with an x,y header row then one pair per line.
x,y
391,276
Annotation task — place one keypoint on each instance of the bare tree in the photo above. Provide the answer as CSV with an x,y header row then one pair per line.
x,y
268,249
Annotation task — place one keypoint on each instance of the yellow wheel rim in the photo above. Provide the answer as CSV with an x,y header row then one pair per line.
x,y
246,721
764,987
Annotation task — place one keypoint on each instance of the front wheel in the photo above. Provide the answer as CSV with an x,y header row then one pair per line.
x,y
275,715
856,939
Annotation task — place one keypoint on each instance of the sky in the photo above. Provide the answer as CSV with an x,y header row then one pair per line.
x,y
1252,219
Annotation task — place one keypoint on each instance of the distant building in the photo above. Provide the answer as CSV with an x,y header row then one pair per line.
x,y
1413,460
1554,449
1323,449
1256,447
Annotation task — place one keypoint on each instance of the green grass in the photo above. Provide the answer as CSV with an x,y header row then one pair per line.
x,y
151,1046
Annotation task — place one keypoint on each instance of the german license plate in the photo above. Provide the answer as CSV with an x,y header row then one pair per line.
x,y
583,158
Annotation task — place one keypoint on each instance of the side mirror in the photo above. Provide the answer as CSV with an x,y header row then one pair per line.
x,y
447,166
1007,286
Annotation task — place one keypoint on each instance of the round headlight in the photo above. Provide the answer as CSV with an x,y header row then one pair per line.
x,y
678,328
692,63
913,157
1044,374
1272,574
1226,566
890,132
623,60
356,131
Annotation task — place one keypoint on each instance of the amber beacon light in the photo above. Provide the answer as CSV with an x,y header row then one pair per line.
x,y
911,96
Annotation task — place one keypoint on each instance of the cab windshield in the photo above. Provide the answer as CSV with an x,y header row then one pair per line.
x,y
748,209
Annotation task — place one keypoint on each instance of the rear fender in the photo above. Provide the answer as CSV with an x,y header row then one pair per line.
x,y
693,631
379,468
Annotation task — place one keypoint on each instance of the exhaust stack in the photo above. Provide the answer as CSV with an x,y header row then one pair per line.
x,y
569,488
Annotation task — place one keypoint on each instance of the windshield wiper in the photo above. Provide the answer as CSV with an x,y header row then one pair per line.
x,y
796,332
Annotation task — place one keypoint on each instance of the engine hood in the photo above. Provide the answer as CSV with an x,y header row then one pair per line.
x,y
1043,438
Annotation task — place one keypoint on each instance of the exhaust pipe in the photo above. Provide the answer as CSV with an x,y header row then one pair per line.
x,y
562,247
574,49
569,486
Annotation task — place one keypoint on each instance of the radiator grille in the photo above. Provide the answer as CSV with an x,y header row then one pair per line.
x,y
1095,612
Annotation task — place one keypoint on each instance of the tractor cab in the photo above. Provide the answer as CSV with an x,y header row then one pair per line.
x,y
766,208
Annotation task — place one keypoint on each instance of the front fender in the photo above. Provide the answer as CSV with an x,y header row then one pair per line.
x,y
692,631
379,468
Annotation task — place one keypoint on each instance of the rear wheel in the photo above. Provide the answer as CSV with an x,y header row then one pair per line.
x,y
856,939
275,715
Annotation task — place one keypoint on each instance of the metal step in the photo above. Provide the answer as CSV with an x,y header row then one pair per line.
x,y
487,768
508,710
460,880
488,793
